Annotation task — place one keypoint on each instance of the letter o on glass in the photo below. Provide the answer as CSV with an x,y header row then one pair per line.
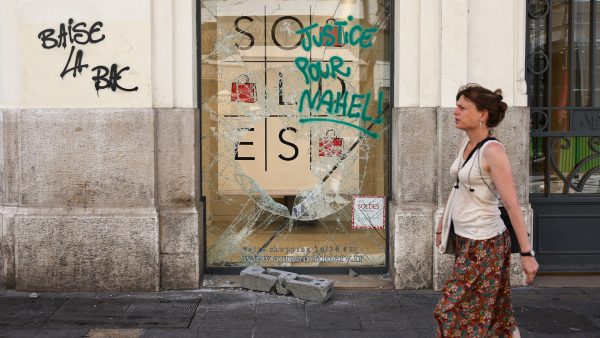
x,y
274,27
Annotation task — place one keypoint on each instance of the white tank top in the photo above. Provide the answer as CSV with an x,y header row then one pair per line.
x,y
475,213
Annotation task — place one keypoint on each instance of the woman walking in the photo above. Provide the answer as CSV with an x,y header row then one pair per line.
x,y
476,299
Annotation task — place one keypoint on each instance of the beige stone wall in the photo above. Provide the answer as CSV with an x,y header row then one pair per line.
x,y
99,199
413,185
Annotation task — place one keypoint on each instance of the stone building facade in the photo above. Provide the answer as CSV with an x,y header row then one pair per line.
x,y
101,165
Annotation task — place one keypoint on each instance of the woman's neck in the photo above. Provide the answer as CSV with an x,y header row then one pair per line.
x,y
477,135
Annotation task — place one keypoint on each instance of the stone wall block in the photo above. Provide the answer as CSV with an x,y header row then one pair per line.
x,y
179,232
7,251
176,156
175,129
10,157
414,176
86,252
179,271
87,157
413,263
176,179
2,160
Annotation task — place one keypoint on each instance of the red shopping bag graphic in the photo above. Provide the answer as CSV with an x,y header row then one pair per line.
x,y
330,145
243,91
334,31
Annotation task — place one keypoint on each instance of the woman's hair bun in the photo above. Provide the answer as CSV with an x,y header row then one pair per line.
x,y
498,93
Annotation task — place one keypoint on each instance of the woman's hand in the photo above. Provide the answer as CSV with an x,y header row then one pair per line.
x,y
530,267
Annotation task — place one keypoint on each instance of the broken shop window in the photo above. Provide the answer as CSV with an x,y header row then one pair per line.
x,y
294,108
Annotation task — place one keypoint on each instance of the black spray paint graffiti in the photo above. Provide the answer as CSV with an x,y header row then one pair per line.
x,y
79,34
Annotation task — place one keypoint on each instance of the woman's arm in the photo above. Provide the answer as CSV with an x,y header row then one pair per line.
x,y
495,160
438,230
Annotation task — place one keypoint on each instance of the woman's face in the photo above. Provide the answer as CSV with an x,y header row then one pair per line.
x,y
466,115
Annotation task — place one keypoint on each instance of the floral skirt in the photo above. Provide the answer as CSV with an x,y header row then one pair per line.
x,y
476,299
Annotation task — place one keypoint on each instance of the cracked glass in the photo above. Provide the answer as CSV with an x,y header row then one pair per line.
x,y
295,111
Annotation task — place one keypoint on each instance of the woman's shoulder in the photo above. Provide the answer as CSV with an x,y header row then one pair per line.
x,y
493,147
494,153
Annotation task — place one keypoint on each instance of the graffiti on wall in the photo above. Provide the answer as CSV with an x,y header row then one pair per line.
x,y
331,35
76,34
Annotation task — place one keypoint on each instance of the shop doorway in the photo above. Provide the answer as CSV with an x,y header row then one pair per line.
x,y
295,102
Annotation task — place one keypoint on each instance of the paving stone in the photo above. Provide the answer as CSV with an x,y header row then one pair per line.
x,y
17,333
337,334
428,301
558,290
527,334
375,297
170,333
278,299
61,333
421,319
228,333
116,333
232,301
393,306
404,333
285,315
341,300
384,319
553,321
293,332
337,320
227,320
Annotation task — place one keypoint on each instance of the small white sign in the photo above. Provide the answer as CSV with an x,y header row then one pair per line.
x,y
368,212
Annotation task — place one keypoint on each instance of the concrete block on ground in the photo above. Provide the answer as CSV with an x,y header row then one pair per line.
x,y
310,288
282,277
256,278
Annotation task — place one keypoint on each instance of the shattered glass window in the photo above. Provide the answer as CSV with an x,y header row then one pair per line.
x,y
295,113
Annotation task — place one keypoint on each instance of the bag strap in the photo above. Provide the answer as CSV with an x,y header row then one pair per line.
x,y
479,145
483,179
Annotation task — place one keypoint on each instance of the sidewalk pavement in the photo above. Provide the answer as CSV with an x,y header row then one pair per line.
x,y
541,312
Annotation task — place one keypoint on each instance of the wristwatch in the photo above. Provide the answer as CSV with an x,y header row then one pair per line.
x,y
528,253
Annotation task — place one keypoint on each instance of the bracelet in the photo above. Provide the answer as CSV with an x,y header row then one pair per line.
x,y
438,233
